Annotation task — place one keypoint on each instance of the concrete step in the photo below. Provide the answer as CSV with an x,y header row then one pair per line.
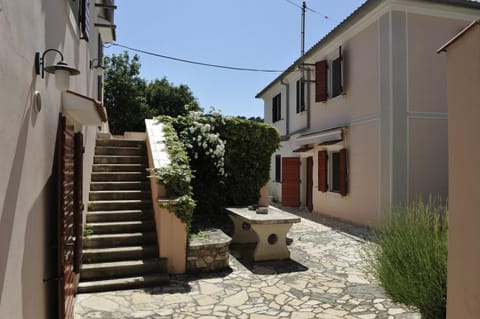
x,y
118,269
123,283
115,159
119,195
119,143
123,185
122,227
119,204
116,176
119,215
114,150
100,255
119,168
119,240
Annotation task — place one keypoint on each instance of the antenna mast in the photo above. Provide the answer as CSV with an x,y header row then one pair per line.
x,y
304,8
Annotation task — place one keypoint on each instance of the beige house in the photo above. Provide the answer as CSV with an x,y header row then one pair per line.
x,y
47,135
463,73
363,114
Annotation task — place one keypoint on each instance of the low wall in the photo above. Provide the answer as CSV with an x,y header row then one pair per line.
x,y
171,232
208,253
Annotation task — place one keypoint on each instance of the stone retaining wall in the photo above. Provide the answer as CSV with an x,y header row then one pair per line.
x,y
208,253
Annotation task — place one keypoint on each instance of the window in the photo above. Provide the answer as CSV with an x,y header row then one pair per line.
x,y
335,172
332,171
80,10
329,78
277,108
337,88
278,168
300,96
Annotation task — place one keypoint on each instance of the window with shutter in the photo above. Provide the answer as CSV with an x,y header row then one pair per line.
x,y
337,77
277,108
321,83
322,171
337,173
300,96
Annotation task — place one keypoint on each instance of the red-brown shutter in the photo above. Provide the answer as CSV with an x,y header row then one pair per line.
x,y
291,181
322,171
343,172
321,81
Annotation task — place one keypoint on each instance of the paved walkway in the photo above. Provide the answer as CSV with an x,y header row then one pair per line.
x,y
325,278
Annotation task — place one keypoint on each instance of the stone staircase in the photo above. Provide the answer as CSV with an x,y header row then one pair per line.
x,y
121,250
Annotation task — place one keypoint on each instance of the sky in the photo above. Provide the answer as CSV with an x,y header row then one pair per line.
x,y
258,34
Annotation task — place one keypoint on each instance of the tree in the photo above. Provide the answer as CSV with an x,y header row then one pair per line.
x,y
252,118
125,94
130,99
164,98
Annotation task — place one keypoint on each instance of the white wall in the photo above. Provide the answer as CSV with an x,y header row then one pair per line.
x,y
27,141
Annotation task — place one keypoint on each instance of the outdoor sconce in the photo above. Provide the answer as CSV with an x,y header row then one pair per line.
x,y
61,70
97,65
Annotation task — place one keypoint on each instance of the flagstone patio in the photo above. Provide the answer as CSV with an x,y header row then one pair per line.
x,y
325,278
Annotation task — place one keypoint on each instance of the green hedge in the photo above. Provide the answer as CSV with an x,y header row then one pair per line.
x,y
248,149
250,146
409,256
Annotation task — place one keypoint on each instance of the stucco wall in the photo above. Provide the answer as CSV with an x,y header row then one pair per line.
x,y
361,82
428,158
463,296
427,80
360,205
27,208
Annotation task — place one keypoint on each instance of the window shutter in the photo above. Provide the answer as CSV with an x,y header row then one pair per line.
x,y
298,96
343,172
85,20
322,171
321,92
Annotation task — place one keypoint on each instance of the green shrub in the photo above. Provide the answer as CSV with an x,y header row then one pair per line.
x,y
249,150
230,161
409,256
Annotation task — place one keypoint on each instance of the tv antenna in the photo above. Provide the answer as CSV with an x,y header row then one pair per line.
x,y
304,8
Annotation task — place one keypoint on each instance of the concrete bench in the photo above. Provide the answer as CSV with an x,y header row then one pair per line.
x,y
268,231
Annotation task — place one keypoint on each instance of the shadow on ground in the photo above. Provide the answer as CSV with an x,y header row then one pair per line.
x,y
244,254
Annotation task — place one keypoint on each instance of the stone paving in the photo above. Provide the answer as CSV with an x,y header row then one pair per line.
x,y
325,278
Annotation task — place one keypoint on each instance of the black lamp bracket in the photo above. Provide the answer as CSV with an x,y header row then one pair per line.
x,y
39,61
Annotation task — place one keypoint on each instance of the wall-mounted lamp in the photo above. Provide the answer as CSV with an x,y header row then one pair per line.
x,y
61,70
97,65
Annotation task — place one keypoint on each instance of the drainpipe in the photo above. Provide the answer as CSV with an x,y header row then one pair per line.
x,y
287,96
307,102
307,80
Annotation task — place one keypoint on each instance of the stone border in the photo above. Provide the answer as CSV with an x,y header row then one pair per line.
x,y
210,253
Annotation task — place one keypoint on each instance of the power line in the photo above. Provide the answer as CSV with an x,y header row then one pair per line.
x,y
309,9
193,62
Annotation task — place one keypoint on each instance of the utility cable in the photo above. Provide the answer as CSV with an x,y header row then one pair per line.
x,y
192,62
310,9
